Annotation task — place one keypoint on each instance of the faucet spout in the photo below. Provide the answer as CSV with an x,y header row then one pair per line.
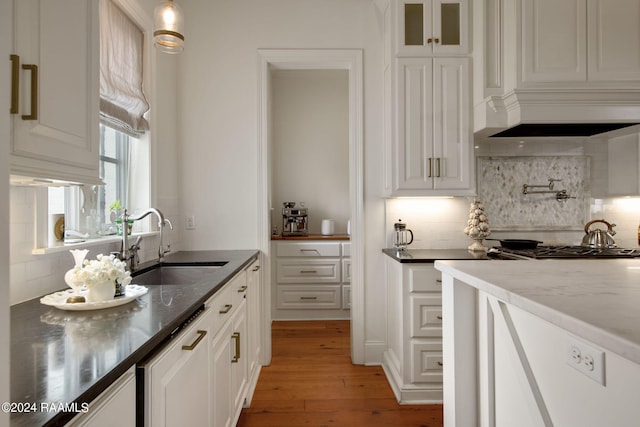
x,y
126,251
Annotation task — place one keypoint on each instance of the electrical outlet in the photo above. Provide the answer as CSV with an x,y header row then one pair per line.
x,y
190,223
586,359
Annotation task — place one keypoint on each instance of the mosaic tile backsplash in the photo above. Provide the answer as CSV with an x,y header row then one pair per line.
x,y
500,188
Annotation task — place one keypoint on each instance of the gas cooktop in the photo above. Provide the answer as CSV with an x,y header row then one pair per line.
x,y
546,252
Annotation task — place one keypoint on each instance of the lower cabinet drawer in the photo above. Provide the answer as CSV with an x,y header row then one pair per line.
x,y
308,270
426,362
426,315
301,296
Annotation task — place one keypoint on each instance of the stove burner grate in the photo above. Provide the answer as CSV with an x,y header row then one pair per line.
x,y
542,252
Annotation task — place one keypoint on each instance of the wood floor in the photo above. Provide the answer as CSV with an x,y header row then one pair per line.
x,y
311,382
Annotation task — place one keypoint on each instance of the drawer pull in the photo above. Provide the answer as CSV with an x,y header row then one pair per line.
x,y
310,250
201,335
440,364
308,297
309,271
236,337
439,281
226,309
439,317
256,268
33,114
242,289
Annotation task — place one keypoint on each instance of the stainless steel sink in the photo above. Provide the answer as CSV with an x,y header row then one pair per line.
x,y
175,275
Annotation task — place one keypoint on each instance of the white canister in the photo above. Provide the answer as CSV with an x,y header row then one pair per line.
x,y
328,226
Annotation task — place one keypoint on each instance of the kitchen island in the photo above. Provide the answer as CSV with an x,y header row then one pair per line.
x,y
65,359
541,343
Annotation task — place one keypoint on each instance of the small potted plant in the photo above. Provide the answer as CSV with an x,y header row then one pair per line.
x,y
117,210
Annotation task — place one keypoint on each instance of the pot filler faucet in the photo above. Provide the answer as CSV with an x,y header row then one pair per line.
x,y
129,254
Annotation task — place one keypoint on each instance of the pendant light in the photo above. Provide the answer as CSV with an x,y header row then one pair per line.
x,y
168,34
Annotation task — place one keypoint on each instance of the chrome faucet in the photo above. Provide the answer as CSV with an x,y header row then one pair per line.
x,y
129,254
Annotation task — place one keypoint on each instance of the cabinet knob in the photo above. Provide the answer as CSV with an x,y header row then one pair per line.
x,y
429,40
436,40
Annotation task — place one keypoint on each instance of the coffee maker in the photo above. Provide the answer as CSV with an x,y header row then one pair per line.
x,y
294,220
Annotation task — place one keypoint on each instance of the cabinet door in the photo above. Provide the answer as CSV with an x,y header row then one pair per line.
x,y
452,168
221,353
414,168
253,318
61,141
426,27
177,380
116,406
554,40
238,362
614,39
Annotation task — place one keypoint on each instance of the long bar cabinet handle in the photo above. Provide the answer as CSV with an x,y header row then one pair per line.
x,y
438,167
33,115
430,167
201,334
236,337
15,84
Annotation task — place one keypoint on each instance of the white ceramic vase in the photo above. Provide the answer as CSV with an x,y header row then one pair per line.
x,y
101,291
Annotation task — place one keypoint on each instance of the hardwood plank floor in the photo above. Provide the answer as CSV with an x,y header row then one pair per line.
x,y
311,382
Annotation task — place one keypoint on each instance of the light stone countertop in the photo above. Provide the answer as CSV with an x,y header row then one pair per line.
x,y
598,300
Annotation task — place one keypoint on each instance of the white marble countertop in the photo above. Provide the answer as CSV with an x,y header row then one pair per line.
x,y
598,300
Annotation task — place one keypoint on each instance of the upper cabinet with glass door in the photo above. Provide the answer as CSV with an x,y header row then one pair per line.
x,y
431,27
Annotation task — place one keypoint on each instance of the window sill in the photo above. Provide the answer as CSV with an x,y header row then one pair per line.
x,y
61,247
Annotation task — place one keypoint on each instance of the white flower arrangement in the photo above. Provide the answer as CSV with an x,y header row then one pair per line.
x,y
103,268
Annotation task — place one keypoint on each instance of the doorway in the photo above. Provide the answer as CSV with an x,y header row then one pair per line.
x,y
314,59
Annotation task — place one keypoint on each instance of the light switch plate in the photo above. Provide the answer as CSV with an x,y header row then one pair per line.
x,y
586,358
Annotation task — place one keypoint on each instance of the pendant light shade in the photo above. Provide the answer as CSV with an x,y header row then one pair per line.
x,y
168,31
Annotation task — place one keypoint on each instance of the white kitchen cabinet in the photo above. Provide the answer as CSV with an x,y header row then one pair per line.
x,y
309,281
228,370
431,27
413,360
431,151
254,298
176,380
613,40
624,165
580,40
55,110
115,407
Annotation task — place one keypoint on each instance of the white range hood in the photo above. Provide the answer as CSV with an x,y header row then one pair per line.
x,y
567,113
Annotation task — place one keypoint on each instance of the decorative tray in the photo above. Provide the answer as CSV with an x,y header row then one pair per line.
x,y
59,299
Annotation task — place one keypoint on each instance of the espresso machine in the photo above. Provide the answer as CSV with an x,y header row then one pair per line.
x,y
295,221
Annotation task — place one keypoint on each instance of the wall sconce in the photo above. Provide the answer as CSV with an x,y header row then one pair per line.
x,y
168,33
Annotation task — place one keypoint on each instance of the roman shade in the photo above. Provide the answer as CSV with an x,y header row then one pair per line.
x,y
122,101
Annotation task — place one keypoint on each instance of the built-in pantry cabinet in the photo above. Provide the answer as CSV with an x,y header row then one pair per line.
x,y
428,99
55,90
205,375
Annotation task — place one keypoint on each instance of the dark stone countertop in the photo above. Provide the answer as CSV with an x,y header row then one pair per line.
x,y
431,255
60,356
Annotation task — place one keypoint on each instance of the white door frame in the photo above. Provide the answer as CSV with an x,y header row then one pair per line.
x,y
315,59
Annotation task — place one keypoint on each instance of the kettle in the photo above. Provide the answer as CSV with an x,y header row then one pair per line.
x,y
598,238
403,236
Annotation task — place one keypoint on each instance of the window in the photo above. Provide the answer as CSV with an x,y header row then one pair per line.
x,y
114,171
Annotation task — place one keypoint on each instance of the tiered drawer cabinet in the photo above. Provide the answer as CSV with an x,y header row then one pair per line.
x,y
310,280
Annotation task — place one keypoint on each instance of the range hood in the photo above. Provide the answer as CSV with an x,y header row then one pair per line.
x,y
558,113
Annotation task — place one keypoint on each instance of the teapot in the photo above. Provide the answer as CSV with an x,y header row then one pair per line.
x,y
403,236
598,238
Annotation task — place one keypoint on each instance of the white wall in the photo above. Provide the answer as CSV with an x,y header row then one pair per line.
x,y
218,101
310,125
6,30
